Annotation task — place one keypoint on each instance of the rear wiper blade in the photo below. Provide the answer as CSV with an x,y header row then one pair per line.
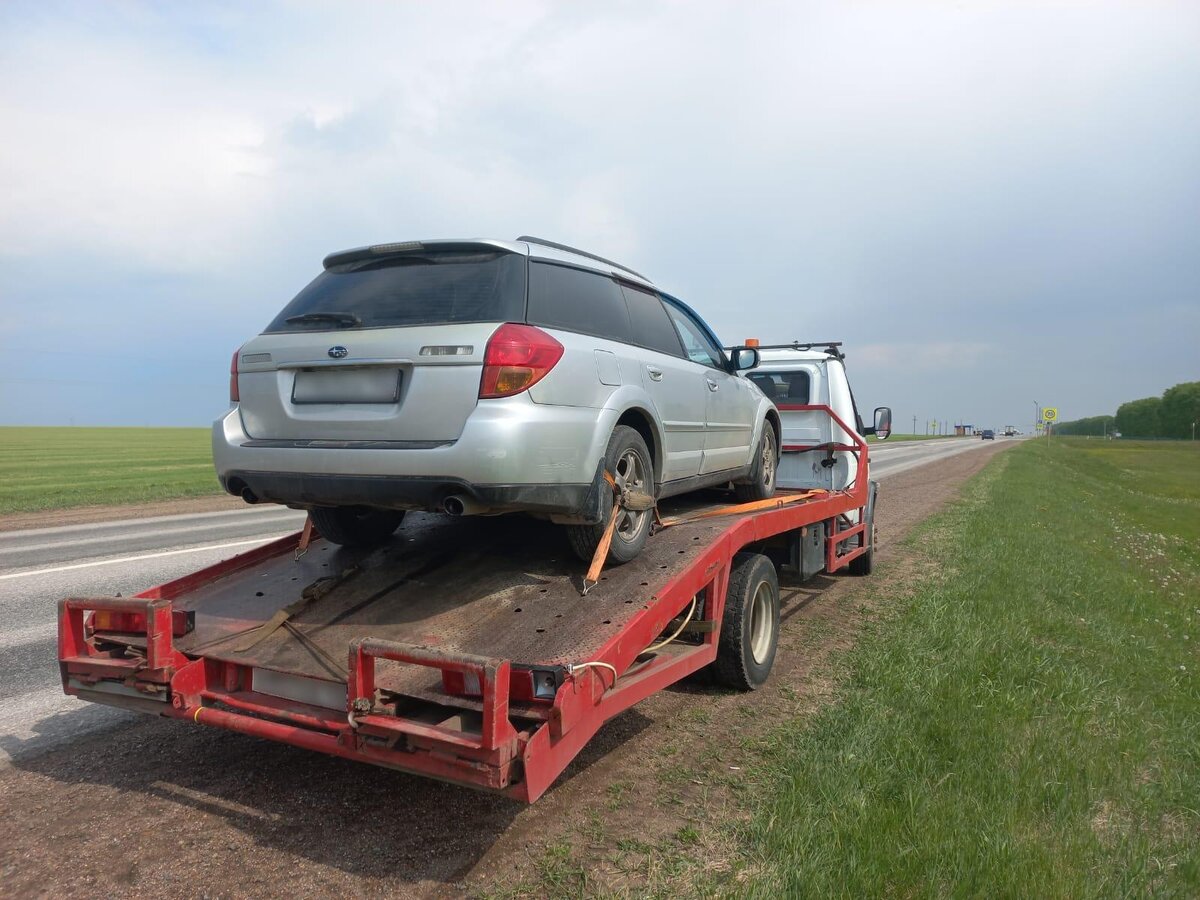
x,y
341,318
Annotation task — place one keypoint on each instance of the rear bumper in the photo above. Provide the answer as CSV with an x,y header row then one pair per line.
x,y
512,455
580,501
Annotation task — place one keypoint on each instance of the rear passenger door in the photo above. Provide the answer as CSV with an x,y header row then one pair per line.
x,y
615,334
731,403
673,382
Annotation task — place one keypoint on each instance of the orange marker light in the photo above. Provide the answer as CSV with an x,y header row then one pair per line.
x,y
751,342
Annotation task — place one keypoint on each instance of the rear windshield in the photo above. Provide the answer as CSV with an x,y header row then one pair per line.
x,y
431,288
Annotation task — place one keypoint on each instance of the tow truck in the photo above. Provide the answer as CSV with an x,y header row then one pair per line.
x,y
474,650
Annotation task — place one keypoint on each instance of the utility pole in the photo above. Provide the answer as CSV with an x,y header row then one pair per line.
x,y
915,425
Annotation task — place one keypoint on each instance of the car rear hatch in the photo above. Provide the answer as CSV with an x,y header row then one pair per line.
x,y
386,344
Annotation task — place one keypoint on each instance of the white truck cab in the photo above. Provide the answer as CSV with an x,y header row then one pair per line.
x,y
796,376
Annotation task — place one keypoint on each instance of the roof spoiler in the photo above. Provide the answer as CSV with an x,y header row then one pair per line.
x,y
383,251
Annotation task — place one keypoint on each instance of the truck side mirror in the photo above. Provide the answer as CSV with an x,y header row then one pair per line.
x,y
744,359
883,422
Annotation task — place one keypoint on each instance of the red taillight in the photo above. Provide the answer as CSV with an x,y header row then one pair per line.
x,y
517,357
107,620
523,684
233,385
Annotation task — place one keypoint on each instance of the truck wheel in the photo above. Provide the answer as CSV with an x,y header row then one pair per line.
x,y
750,625
629,461
863,565
356,526
761,483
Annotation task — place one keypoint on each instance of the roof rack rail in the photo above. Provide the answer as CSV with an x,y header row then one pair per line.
x,y
830,347
536,240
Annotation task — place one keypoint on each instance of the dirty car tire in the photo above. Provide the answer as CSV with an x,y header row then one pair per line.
x,y
749,625
356,526
628,459
761,483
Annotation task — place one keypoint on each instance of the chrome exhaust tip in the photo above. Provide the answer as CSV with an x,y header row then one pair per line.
x,y
462,505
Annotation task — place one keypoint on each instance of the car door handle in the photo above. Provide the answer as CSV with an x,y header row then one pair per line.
x,y
712,385
655,374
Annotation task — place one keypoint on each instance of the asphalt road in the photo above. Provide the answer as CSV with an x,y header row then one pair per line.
x,y
40,566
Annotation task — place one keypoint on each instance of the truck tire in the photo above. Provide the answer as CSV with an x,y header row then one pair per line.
x,y
750,625
628,459
863,565
356,526
761,483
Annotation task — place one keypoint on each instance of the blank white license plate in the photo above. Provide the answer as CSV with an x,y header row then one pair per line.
x,y
373,384
303,690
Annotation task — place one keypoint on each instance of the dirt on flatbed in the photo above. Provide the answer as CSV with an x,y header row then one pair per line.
x,y
160,807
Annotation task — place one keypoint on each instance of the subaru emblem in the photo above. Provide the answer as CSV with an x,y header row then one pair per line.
x,y
338,352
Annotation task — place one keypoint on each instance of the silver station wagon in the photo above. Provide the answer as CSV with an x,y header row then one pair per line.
x,y
478,377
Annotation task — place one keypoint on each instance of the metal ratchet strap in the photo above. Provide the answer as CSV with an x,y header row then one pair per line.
x,y
738,509
311,594
305,537
622,500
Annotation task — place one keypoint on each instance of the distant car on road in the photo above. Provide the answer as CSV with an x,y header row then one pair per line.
x,y
988,435
479,377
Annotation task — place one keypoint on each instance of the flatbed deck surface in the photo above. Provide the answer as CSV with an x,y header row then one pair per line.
x,y
503,587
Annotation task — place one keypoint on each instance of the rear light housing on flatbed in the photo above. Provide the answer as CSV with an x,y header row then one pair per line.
x,y
108,621
517,357
525,684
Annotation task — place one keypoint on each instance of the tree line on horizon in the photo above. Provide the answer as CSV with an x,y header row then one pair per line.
x,y
1168,416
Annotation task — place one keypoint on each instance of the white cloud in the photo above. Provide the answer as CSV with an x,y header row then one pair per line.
x,y
882,172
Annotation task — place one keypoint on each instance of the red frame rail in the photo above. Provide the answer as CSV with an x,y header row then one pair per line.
x,y
521,758
837,536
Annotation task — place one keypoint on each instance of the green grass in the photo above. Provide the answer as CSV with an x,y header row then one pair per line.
x,y
54,468
1028,723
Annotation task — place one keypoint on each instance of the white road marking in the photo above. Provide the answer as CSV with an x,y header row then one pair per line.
x,y
128,559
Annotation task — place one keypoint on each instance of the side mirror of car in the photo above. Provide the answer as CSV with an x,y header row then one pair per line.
x,y
883,422
744,359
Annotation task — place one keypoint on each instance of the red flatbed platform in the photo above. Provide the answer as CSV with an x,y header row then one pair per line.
x,y
464,649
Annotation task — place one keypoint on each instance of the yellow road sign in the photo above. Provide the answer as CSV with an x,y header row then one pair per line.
x,y
1050,413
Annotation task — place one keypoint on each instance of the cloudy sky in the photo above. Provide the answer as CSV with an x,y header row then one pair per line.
x,y
990,203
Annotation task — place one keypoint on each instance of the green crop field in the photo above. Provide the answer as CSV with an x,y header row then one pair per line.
x,y
53,468
1026,723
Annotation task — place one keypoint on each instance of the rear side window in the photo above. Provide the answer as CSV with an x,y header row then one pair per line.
x,y
651,326
577,300
430,288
